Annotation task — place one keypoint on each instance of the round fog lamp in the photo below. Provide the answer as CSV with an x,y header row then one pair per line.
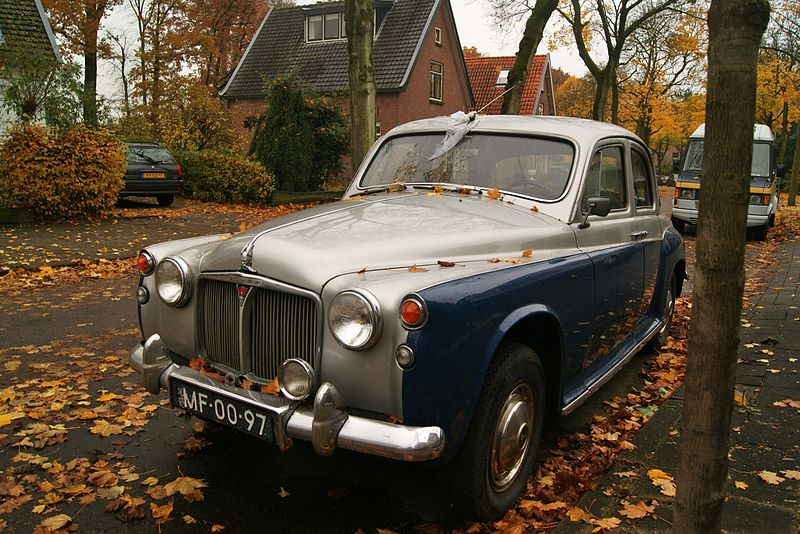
x,y
296,379
142,295
405,356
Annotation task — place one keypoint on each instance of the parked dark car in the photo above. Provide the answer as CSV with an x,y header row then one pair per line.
x,y
152,172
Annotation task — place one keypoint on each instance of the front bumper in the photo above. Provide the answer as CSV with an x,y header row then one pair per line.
x,y
327,424
753,219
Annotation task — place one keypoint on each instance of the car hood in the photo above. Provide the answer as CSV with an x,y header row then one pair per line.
x,y
395,230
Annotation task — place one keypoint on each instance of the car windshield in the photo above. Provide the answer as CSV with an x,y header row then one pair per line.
x,y
760,165
530,166
149,154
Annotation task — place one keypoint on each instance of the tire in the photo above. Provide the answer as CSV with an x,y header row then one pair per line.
x,y
772,220
165,200
760,232
666,314
482,482
679,225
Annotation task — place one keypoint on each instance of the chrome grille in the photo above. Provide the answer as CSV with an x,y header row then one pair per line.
x,y
274,324
220,330
282,326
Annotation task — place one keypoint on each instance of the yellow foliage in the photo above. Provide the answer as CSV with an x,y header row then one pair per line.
x,y
75,175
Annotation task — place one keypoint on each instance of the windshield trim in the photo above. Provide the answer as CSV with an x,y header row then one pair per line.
x,y
549,137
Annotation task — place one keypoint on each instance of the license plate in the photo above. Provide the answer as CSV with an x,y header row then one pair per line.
x,y
154,175
224,410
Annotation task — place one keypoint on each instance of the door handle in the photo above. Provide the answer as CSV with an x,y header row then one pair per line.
x,y
639,235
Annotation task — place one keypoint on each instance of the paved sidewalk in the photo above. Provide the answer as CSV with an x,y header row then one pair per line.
x,y
765,433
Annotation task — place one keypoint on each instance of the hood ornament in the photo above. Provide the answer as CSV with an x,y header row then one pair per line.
x,y
247,258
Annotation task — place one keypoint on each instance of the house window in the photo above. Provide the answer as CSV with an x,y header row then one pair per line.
x,y
502,78
437,71
437,36
377,129
540,111
314,28
327,27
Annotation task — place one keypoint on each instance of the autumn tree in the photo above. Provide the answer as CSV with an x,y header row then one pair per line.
x,y
574,97
221,31
115,48
78,22
735,29
609,23
470,52
360,29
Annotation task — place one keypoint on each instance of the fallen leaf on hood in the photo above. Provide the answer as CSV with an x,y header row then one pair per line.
x,y
534,209
527,253
494,194
415,269
443,263
507,260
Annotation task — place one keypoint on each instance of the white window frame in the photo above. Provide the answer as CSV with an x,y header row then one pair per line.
x,y
342,30
502,81
321,17
433,75
437,36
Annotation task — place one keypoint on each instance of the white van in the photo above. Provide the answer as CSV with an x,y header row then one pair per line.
x,y
763,183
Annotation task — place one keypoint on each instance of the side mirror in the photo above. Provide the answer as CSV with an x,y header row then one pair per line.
x,y
599,206
781,170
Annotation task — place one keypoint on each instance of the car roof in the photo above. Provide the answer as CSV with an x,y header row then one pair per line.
x,y
761,132
145,145
581,130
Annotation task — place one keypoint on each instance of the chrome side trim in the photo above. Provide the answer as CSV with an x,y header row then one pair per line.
x,y
601,381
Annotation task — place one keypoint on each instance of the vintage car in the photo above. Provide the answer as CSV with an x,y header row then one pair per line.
x,y
480,273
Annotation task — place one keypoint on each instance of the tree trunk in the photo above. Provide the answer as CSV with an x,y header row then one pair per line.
x,y
90,87
784,133
795,181
358,17
735,29
600,96
612,81
531,37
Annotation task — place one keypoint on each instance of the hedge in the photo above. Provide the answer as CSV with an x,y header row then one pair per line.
x,y
224,177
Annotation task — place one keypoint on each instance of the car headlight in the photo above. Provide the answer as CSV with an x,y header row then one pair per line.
x,y
688,194
173,281
355,319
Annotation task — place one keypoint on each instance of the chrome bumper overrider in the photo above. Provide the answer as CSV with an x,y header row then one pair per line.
x,y
327,424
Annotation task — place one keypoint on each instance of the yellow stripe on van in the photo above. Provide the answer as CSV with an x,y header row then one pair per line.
x,y
762,190
687,185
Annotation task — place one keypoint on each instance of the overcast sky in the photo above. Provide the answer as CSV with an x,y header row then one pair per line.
x,y
474,29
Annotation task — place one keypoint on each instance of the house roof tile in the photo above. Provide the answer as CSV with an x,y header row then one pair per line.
x,y
279,47
24,27
483,72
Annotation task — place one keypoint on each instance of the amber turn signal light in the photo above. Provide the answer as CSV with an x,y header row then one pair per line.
x,y
413,312
145,263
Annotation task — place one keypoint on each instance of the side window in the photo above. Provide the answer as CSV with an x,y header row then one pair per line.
x,y
642,184
606,178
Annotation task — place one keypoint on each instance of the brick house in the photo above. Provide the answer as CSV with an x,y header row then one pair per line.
x,y
24,29
488,76
419,66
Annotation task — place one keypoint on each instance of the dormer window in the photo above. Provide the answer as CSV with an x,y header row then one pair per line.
x,y
325,27
502,78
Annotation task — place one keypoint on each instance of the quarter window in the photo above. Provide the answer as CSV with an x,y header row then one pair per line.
x,y
437,72
642,184
606,178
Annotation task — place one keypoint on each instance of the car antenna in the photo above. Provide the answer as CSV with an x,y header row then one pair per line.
x,y
495,98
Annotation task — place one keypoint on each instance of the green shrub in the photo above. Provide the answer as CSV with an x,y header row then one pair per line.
x,y
224,177
301,137
77,174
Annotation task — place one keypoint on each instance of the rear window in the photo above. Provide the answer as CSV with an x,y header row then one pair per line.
x,y
149,154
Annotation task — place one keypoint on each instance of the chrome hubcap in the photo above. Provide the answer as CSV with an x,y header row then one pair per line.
x,y
512,437
667,313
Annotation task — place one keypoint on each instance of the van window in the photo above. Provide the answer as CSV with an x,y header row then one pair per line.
x,y
761,157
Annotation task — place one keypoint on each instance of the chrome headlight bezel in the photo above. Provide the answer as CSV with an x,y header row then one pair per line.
x,y
184,280
370,308
304,370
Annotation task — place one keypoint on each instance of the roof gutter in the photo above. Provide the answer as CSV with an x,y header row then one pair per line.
x,y
48,30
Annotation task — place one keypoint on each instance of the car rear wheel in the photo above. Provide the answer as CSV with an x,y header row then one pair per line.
x,y
666,316
679,225
760,232
500,449
165,200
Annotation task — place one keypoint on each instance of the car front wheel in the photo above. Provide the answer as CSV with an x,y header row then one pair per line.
x,y
499,451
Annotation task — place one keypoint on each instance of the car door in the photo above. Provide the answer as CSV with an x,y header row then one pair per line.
x,y
613,244
646,225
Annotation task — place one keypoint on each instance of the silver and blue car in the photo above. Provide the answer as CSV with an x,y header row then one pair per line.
x,y
480,273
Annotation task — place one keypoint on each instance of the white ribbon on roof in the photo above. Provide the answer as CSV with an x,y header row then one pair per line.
x,y
460,124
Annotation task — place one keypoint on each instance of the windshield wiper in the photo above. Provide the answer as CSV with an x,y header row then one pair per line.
x,y
388,188
145,157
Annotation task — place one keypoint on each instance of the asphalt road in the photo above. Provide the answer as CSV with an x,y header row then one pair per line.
x,y
95,321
